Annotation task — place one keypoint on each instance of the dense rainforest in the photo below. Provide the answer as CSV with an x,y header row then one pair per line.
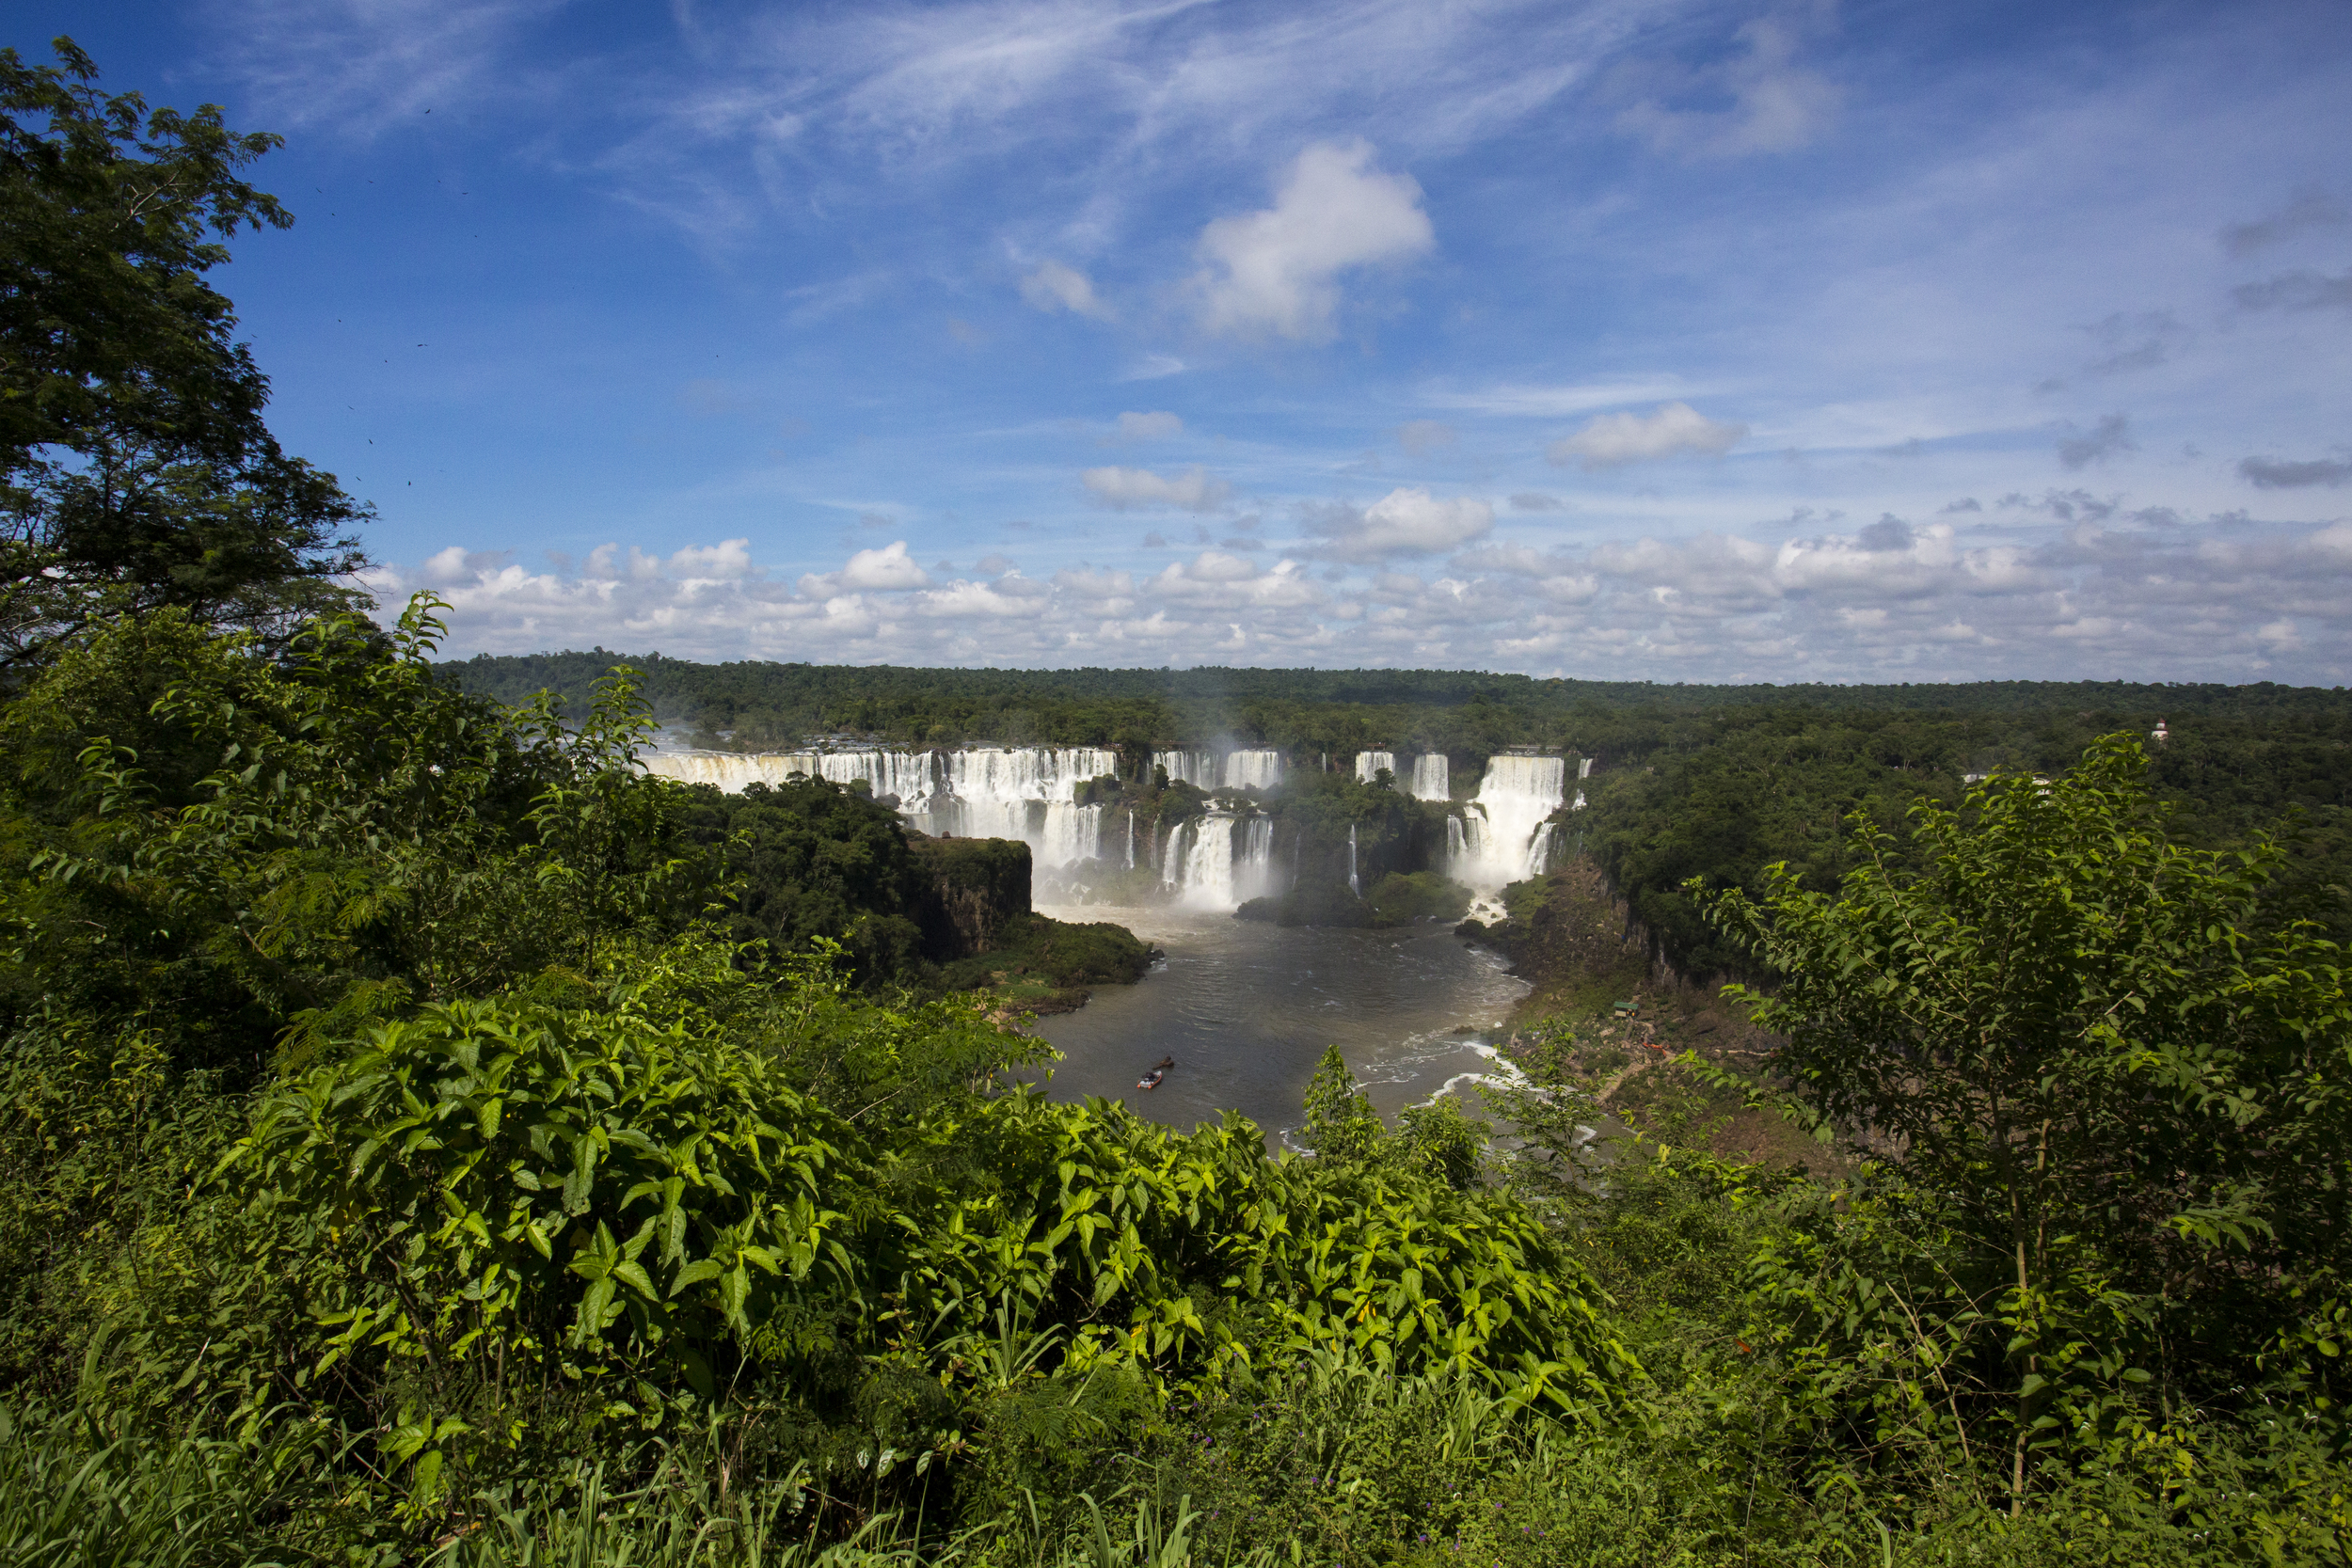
x,y
425,1137
1712,782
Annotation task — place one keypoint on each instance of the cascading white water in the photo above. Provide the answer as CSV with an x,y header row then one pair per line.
x,y
1431,780
1577,804
1253,870
1353,886
1501,836
1028,793
1220,860
1130,841
1369,763
1583,768
1196,769
1252,769
731,770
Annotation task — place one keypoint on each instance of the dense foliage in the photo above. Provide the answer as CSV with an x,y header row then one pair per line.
x,y
373,1066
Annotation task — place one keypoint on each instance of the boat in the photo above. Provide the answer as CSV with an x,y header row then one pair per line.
x,y
1152,1079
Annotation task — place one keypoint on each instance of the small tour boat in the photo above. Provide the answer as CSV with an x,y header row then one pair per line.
x,y
1159,1070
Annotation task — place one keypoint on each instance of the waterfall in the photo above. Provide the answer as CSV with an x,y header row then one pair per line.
x,y
1131,840
1583,768
1577,804
1252,769
729,770
1369,763
1220,861
1196,769
1028,792
1353,886
1501,836
1254,873
1430,778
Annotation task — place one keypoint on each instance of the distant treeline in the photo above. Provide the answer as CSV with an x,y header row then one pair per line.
x,y
757,704
1711,782
1721,795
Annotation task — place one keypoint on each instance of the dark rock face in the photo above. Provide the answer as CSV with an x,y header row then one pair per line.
x,y
977,886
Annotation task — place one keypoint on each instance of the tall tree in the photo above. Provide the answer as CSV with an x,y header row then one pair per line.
x,y
2111,1070
136,469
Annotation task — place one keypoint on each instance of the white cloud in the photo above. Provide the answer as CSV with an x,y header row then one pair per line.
x,y
1054,287
730,558
1131,489
1157,426
1406,522
1522,400
2105,598
1612,440
370,64
1776,106
884,568
1153,367
1276,271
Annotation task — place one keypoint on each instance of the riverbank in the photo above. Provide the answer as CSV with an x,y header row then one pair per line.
x,y
1601,1012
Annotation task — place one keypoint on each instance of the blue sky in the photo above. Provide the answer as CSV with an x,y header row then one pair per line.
x,y
1679,341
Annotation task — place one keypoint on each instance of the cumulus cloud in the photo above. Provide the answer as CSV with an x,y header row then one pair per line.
x,y
1776,105
1053,286
2311,208
2297,291
1156,426
730,558
2109,438
1671,430
1276,271
884,568
1134,489
1405,522
2272,473
877,570
2070,582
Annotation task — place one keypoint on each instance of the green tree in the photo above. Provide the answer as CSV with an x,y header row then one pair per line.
x,y
135,471
2109,1081
1342,1125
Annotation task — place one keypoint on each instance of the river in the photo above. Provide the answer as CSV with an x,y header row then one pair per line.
x,y
1247,1009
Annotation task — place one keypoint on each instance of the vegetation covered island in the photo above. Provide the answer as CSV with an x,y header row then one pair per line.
x,y
433,1133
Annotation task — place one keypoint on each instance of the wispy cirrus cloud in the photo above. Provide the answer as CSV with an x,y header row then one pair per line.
x,y
364,66
1776,104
